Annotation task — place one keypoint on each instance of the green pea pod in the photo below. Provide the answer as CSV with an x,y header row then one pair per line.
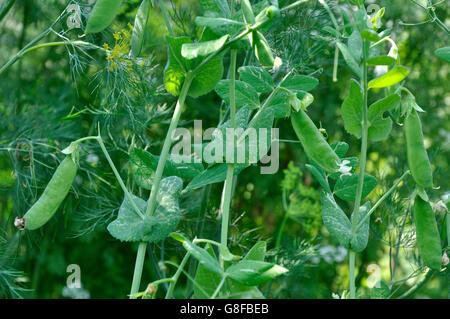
x,y
418,161
427,234
313,142
51,198
262,50
247,11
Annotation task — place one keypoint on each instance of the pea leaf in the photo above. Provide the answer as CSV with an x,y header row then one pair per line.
x,y
253,273
380,127
206,281
370,35
214,174
300,83
257,252
140,27
381,292
204,258
245,94
131,227
352,110
102,15
207,77
335,220
219,26
346,185
394,76
443,53
280,104
193,50
361,238
349,59
340,148
381,60
355,44
321,178
143,167
257,77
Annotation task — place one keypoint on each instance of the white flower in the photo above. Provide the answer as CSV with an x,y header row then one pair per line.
x,y
445,259
343,168
277,63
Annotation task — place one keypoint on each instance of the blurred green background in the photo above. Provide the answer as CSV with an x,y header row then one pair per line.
x,y
55,95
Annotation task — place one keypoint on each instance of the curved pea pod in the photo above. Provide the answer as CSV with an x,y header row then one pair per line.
x,y
262,49
418,161
427,234
313,142
53,195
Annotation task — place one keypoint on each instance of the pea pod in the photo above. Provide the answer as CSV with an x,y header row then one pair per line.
x,y
427,234
418,161
313,142
268,14
53,195
262,49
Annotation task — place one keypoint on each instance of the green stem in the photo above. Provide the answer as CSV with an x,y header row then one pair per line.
x,y
448,229
151,204
216,292
228,185
177,275
381,200
283,222
138,270
119,179
362,168
351,273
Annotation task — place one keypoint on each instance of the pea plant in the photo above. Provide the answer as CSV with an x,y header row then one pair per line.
x,y
232,56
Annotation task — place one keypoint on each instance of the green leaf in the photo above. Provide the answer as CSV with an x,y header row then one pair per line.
x,y
214,174
131,227
370,35
355,44
443,53
280,104
143,167
253,273
380,127
346,185
381,60
335,220
257,77
361,238
381,292
204,258
140,27
219,26
102,15
206,281
349,59
257,252
352,110
319,177
394,76
340,148
245,94
207,77
300,83
200,49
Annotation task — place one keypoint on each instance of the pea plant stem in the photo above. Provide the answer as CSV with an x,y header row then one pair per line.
x,y
177,274
362,168
151,204
216,292
228,185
